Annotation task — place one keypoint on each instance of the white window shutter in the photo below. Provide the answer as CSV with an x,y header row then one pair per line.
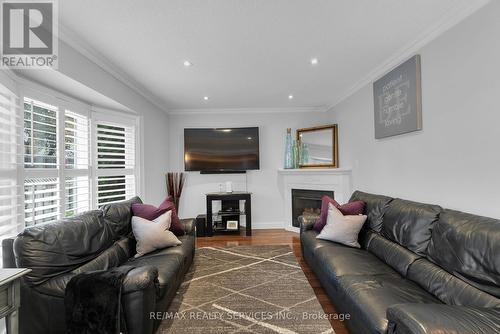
x,y
41,201
115,150
77,195
11,219
76,141
40,134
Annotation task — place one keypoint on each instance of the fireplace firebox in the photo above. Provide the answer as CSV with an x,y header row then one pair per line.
x,y
307,202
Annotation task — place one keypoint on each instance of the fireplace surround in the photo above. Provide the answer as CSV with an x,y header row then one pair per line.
x,y
335,180
307,202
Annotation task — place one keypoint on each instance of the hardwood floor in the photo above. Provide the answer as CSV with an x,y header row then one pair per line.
x,y
279,237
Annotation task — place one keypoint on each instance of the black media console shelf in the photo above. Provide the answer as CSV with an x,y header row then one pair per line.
x,y
230,211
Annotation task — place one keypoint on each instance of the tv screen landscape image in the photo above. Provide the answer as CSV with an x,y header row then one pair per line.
x,y
221,149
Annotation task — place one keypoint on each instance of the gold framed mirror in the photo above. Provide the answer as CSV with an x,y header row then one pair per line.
x,y
318,147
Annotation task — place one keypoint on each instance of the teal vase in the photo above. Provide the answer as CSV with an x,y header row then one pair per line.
x,y
289,161
295,149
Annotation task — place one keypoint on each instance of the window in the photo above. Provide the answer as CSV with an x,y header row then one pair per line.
x,y
40,135
10,154
76,163
76,141
77,195
41,200
63,176
115,162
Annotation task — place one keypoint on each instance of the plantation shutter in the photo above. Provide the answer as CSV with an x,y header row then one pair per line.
x,y
115,150
76,163
11,220
40,134
41,200
41,161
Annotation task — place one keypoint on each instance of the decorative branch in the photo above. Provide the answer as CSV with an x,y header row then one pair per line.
x,y
175,184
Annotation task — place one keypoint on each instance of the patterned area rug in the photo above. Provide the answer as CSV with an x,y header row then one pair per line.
x,y
245,289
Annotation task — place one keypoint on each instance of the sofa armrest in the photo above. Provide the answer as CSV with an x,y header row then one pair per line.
x,y
139,293
8,258
442,319
140,278
189,226
307,222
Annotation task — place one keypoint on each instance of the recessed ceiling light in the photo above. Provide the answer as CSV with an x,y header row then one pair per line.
x,y
290,96
205,98
187,63
314,61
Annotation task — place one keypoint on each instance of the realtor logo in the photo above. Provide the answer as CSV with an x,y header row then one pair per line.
x,y
29,34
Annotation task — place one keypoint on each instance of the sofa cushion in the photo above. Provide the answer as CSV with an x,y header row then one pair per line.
x,y
342,229
468,246
374,208
118,216
109,258
448,288
338,260
151,212
410,224
53,249
308,241
368,297
348,209
153,234
396,256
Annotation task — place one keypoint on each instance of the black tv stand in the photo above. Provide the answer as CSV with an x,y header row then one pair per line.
x,y
230,210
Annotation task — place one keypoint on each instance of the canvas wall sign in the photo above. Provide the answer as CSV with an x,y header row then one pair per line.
x,y
398,100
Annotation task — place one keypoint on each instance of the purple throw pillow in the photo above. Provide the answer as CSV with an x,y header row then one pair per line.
x,y
321,222
352,208
348,209
151,212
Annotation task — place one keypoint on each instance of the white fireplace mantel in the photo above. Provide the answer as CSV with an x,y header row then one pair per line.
x,y
337,180
306,171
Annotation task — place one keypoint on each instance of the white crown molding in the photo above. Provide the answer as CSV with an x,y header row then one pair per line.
x,y
73,40
246,110
447,22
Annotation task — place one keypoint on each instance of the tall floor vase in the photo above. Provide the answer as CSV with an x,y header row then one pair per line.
x,y
175,183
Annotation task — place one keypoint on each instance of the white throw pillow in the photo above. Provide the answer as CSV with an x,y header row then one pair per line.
x,y
152,235
342,229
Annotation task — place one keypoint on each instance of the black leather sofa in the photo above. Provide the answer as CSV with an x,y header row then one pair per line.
x,y
421,269
94,240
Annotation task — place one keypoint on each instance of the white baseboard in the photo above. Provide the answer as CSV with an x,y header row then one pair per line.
x,y
292,229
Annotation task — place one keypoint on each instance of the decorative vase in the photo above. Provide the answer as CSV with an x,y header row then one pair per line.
x,y
303,154
295,150
289,163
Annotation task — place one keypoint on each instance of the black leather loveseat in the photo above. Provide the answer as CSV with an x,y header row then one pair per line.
x,y
95,240
421,269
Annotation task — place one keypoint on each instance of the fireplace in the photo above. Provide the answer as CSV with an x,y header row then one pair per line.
x,y
307,202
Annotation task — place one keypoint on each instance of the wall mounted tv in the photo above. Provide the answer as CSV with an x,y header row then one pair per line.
x,y
221,150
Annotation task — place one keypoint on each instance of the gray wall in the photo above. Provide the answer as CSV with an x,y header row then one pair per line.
x,y
454,161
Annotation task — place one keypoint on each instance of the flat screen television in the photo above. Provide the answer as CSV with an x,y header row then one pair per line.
x,y
221,150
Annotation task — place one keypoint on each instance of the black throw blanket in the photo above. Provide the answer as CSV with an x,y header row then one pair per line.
x,y
92,302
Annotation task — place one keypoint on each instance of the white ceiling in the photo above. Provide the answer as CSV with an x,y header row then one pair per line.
x,y
250,53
